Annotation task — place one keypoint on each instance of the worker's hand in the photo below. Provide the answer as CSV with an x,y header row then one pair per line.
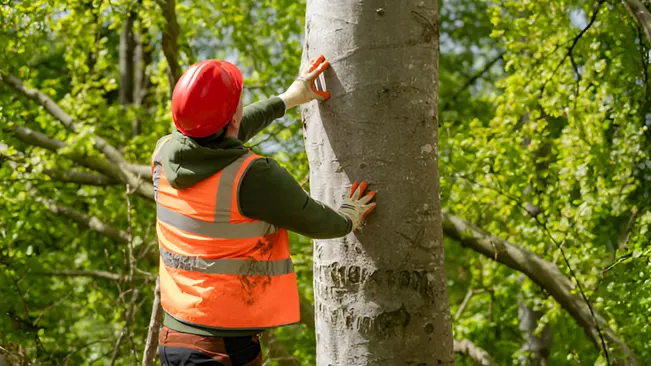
x,y
358,205
303,89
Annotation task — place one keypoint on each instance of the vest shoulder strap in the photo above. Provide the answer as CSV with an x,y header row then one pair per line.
x,y
229,185
155,157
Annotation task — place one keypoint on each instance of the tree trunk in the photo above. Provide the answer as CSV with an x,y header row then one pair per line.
x,y
380,293
127,46
536,347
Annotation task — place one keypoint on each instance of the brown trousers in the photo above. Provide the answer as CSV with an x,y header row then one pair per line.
x,y
183,349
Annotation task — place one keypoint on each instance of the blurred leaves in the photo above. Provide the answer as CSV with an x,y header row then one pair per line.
x,y
538,145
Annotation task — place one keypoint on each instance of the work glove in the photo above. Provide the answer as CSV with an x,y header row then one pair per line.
x,y
358,205
304,89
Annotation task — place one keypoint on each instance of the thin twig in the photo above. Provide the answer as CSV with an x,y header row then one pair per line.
x,y
574,43
489,65
12,353
466,300
98,274
126,328
52,306
67,358
132,258
580,287
22,298
154,328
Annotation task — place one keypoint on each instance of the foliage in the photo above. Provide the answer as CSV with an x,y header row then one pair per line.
x,y
561,167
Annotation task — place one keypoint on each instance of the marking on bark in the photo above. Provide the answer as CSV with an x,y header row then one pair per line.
x,y
417,240
429,28
353,275
379,326
335,279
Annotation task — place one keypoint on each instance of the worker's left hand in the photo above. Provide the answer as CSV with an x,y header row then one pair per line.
x,y
358,204
303,89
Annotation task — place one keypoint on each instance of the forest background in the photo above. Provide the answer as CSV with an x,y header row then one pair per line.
x,y
543,153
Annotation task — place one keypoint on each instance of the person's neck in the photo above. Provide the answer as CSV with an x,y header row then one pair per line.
x,y
211,140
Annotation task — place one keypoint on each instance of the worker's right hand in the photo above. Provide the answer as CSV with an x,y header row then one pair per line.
x,y
303,89
358,205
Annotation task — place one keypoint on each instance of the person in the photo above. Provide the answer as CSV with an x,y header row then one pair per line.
x,y
223,215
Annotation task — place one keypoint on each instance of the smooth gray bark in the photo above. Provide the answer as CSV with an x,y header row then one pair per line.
x,y
380,293
537,347
127,47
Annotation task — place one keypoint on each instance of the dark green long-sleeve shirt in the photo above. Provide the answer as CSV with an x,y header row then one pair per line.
x,y
267,192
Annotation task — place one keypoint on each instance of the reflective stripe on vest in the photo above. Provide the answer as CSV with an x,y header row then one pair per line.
x,y
244,267
218,268
213,229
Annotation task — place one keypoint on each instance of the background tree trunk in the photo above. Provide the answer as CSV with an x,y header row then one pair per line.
x,y
380,294
537,348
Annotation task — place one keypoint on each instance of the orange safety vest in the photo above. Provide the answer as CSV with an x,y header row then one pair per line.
x,y
218,268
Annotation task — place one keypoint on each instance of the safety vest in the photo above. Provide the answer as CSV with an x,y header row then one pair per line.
x,y
218,268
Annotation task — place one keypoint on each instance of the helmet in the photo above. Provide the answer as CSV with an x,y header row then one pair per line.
x,y
206,97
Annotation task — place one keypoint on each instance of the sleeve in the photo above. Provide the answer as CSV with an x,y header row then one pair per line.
x,y
269,193
256,116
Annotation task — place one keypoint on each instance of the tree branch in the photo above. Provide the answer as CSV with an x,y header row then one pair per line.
x,y
90,221
97,274
149,354
95,224
144,171
489,65
66,176
79,177
102,145
57,112
478,355
540,271
466,300
575,41
97,163
170,41
641,15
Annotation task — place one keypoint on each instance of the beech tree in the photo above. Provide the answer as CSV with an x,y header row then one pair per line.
x,y
380,294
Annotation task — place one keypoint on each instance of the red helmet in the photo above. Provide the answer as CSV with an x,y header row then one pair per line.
x,y
206,97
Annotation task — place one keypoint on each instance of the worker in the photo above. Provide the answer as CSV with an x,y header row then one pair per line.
x,y
223,215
